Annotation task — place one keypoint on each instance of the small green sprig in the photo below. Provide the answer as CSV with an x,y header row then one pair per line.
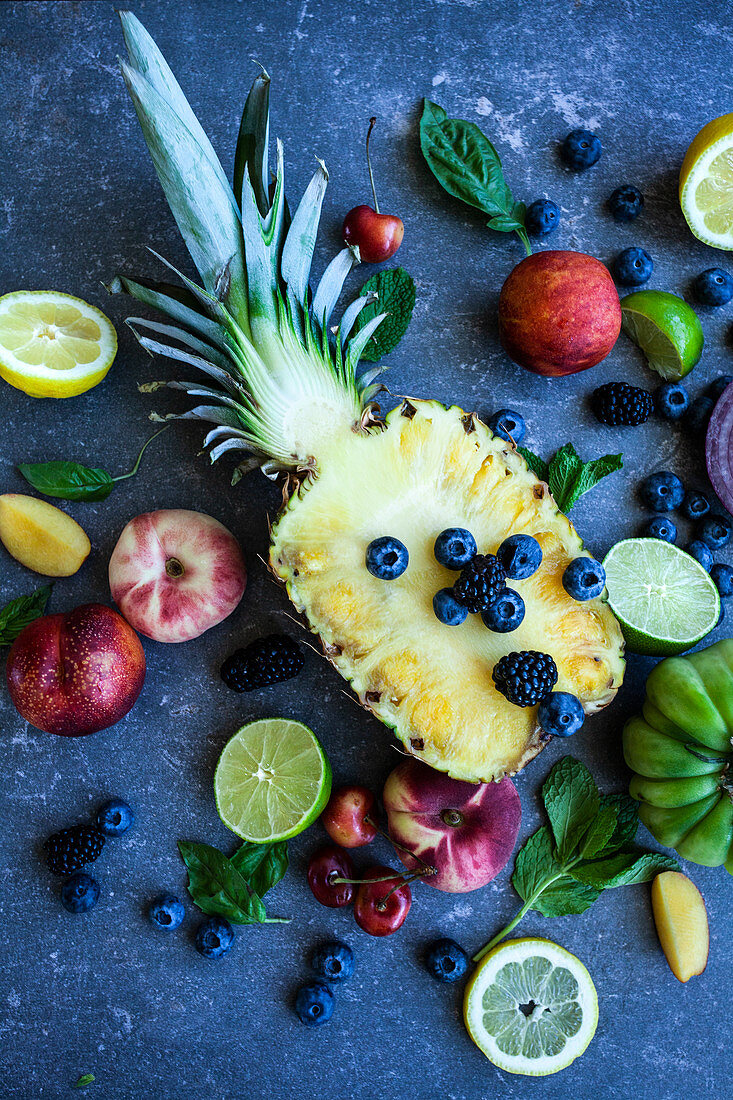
x,y
567,475
16,615
586,849
395,295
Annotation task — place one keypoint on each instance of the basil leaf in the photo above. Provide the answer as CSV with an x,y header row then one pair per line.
x,y
217,887
84,1080
68,480
626,868
262,865
537,465
572,801
396,291
16,615
565,896
627,820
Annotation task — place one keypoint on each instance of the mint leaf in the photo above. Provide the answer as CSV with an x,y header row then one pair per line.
x,y
84,1080
601,830
262,865
570,477
572,801
17,614
467,166
627,820
564,897
217,887
536,865
537,465
623,869
396,297
590,474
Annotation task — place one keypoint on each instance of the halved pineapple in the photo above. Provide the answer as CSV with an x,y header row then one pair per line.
x,y
283,386
430,469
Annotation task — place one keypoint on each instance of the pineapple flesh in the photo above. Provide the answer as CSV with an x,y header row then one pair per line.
x,y
283,390
430,469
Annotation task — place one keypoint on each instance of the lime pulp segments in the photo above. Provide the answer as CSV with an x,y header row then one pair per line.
x,y
272,781
531,1007
666,329
664,600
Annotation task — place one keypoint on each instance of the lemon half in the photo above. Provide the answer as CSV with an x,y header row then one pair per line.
x,y
706,183
52,344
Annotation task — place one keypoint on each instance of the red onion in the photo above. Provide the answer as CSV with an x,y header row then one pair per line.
x,y
719,448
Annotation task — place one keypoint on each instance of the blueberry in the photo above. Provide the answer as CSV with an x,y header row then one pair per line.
x,y
713,287
80,893
695,505
455,547
560,714
167,912
698,415
672,401
334,960
715,389
214,938
542,218
387,558
715,531
700,552
506,613
661,528
633,267
446,960
626,203
115,817
520,555
662,492
314,1004
580,149
723,577
584,579
509,425
447,608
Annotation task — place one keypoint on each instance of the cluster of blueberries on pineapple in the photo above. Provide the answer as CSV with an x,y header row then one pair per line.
x,y
69,850
526,678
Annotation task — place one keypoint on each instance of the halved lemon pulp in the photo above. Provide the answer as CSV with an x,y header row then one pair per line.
x,y
706,184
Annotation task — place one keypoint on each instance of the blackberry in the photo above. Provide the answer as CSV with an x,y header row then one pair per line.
x,y
617,403
480,583
525,678
70,849
268,660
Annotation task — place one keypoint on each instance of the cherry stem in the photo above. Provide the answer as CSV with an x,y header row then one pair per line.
x,y
362,881
428,867
381,905
372,123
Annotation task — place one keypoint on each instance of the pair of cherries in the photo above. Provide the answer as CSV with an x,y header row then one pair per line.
x,y
381,896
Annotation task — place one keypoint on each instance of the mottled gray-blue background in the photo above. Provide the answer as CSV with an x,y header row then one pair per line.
x,y
79,201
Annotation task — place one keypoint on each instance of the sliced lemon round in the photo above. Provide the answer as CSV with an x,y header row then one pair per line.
x,y
531,1007
52,344
706,183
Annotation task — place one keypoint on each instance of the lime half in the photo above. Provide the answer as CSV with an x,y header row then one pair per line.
x,y
666,329
272,780
663,598
531,1007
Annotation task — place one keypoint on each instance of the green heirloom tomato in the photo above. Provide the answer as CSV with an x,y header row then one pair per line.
x,y
681,750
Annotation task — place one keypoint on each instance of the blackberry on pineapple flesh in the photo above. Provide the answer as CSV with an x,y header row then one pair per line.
x,y
480,583
269,660
617,403
70,849
525,678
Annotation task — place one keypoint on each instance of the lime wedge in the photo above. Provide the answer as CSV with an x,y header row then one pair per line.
x,y
272,780
531,1007
666,329
663,599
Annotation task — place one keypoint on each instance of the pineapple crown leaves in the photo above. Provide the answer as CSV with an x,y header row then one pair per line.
x,y
252,327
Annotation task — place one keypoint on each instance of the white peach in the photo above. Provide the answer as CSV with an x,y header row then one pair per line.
x,y
174,574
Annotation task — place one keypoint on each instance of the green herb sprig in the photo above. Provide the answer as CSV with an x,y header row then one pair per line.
x,y
467,166
395,292
586,849
16,615
73,481
234,888
84,1080
567,475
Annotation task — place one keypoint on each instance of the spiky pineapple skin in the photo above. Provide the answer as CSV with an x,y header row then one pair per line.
x,y
428,469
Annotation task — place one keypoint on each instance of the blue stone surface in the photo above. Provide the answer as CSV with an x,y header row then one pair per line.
x,y
79,201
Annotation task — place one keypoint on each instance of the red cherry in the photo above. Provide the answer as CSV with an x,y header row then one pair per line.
x,y
380,908
345,817
377,235
326,864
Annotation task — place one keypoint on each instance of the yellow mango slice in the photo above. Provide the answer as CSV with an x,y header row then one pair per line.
x,y
41,537
682,923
